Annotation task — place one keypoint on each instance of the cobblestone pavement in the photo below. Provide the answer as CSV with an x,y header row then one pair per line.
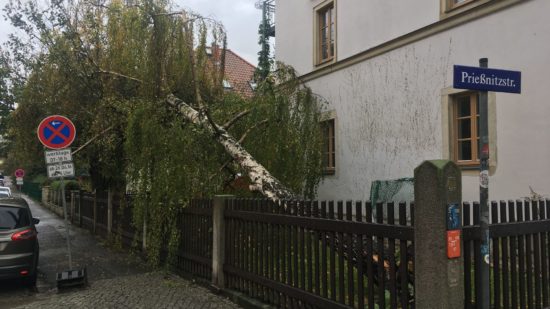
x,y
117,279
149,290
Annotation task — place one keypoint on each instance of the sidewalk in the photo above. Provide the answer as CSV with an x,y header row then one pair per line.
x,y
117,279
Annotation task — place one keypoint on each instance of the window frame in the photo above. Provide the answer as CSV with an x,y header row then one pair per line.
x,y
320,13
474,130
449,8
328,132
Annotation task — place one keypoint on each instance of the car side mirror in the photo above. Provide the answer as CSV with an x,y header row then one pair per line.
x,y
35,221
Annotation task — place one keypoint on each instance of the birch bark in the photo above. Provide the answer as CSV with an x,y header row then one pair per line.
x,y
262,180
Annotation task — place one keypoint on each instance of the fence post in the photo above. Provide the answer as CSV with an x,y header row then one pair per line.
x,y
218,243
72,205
80,197
144,236
109,211
439,267
95,210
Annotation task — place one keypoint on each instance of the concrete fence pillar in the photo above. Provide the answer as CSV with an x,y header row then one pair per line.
x,y
218,244
45,194
439,270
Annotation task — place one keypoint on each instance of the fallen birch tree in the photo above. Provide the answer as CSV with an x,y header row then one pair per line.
x,y
262,180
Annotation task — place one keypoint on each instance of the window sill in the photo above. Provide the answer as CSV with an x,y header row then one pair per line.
x,y
325,62
329,172
468,167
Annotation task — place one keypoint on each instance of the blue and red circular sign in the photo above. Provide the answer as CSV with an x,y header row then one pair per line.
x,y
56,132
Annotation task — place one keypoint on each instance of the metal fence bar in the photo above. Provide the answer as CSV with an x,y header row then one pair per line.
x,y
505,258
380,279
360,268
468,286
537,254
496,257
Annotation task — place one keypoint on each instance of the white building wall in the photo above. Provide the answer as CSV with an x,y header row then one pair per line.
x,y
388,108
360,25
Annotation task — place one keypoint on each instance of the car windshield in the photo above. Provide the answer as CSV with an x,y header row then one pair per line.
x,y
4,194
13,218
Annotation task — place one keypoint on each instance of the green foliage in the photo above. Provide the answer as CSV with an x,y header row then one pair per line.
x,y
109,68
69,185
265,61
40,179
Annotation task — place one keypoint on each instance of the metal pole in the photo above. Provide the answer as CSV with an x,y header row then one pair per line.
x,y
66,222
483,286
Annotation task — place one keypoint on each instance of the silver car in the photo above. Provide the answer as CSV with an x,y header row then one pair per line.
x,y
18,241
5,191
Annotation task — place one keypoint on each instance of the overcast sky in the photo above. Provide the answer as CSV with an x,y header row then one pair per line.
x,y
240,18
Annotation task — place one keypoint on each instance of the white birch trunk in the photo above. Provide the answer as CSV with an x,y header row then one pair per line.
x,y
262,180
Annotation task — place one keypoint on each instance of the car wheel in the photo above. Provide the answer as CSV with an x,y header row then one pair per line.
x,y
31,280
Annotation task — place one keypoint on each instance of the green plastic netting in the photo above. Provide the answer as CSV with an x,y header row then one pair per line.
x,y
397,190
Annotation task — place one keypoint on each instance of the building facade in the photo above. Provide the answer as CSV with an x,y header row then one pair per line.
x,y
386,70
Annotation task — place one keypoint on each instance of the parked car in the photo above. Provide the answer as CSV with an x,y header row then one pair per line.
x,y
5,190
19,247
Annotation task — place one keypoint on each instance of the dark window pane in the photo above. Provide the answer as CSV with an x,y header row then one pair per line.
x,y
324,19
463,106
465,150
464,128
478,149
477,124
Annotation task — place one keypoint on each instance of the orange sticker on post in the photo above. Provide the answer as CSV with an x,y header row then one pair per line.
x,y
453,244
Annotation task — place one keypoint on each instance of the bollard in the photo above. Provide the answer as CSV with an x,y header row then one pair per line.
x,y
439,270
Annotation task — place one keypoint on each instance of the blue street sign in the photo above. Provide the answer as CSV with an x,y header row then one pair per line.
x,y
484,79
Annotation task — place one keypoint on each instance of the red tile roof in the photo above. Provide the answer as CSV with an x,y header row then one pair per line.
x,y
239,73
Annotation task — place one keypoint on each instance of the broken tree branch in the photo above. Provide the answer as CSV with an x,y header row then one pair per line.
x,y
245,134
232,121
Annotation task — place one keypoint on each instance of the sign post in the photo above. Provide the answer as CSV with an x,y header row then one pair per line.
x,y
483,259
58,132
484,79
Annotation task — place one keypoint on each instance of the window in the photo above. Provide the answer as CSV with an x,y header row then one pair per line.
x,y
453,7
253,85
13,218
466,129
226,84
329,158
326,33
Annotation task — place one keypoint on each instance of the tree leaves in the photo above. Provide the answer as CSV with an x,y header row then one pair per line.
x,y
110,65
